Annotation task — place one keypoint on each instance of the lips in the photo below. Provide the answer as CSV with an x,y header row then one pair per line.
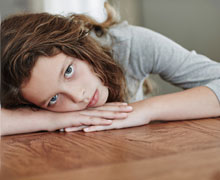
x,y
94,99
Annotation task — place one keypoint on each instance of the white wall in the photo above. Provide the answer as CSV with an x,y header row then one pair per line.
x,y
94,8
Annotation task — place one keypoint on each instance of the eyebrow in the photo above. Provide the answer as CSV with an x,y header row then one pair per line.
x,y
60,76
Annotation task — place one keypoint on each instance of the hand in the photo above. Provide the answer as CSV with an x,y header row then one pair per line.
x,y
139,116
102,115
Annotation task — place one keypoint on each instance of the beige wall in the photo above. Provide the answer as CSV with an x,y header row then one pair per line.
x,y
194,24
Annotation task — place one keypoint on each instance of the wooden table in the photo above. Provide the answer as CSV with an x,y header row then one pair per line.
x,y
163,151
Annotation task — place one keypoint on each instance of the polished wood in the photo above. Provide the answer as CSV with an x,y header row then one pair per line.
x,y
163,150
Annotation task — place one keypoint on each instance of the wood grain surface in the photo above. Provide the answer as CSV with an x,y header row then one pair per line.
x,y
162,150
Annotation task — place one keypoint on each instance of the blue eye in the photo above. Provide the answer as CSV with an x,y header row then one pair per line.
x,y
69,71
53,100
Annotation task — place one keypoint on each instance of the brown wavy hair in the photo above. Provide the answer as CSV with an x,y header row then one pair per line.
x,y
25,37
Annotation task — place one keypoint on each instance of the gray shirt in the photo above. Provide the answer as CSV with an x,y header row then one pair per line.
x,y
141,51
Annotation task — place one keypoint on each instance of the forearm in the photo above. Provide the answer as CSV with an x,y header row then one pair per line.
x,y
195,103
23,121
199,102
26,120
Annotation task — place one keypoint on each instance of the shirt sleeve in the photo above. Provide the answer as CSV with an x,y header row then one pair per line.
x,y
151,52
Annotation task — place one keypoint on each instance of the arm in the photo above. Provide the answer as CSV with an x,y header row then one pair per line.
x,y
195,103
26,120
183,68
150,52
23,121
199,102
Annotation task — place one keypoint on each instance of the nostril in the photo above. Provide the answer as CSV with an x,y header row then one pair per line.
x,y
83,92
86,100
80,96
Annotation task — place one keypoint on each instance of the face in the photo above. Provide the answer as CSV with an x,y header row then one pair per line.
x,y
62,83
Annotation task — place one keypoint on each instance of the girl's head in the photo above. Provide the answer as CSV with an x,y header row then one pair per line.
x,y
52,60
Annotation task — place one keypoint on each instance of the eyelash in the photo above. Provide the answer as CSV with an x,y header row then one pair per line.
x,y
57,95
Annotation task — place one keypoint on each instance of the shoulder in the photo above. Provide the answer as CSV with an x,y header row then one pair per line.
x,y
134,48
125,31
138,41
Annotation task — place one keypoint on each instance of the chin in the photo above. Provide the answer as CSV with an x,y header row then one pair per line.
x,y
100,103
103,99
106,97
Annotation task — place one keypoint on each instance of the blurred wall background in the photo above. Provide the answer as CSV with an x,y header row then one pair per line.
x,y
194,24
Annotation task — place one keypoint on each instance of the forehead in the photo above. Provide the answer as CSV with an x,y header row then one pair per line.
x,y
44,75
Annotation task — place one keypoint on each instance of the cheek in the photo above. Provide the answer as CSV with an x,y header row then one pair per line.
x,y
92,78
104,93
66,106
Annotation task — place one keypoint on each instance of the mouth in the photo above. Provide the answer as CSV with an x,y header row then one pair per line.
x,y
94,99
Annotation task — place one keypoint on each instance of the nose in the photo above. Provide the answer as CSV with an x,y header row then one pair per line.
x,y
78,95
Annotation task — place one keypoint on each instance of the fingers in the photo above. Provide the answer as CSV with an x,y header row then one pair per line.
x,y
115,103
117,124
105,114
100,116
113,107
119,108
71,129
88,121
98,128
114,110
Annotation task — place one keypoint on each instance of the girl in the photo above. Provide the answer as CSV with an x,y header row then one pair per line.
x,y
72,73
